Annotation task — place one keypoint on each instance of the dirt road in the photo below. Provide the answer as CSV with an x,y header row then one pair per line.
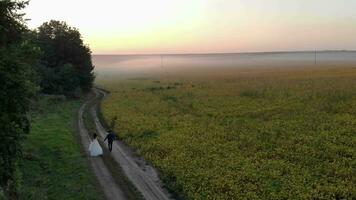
x,y
142,176
110,188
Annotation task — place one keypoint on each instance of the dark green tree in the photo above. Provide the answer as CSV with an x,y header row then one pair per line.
x,y
11,22
17,86
63,48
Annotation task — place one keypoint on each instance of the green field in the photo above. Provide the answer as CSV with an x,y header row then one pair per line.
x,y
53,166
247,134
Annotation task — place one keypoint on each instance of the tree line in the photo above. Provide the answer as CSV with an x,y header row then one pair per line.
x,y
51,59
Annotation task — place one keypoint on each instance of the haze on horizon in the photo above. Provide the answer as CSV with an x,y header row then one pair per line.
x,y
204,26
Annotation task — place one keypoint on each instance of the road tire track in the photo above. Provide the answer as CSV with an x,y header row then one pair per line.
x,y
103,175
143,176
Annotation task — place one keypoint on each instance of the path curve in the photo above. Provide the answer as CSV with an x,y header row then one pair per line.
x,y
143,176
111,190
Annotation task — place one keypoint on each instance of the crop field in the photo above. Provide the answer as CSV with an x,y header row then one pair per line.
x,y
246,134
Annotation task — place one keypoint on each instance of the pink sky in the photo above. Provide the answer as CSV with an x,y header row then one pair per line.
x,y
204,26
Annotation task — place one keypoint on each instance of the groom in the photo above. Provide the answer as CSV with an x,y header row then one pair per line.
x,y
110,137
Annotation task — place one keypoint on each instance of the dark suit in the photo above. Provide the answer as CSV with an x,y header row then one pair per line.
x,y
110,137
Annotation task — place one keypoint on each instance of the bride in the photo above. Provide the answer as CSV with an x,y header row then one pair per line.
x,y
94,147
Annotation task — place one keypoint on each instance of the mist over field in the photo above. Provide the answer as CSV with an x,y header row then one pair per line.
x,y
145,66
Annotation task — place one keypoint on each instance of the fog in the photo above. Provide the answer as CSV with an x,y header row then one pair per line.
x,y
146,66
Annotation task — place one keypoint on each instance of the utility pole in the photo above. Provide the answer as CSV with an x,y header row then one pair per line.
x,y
163,69
161,62
315,57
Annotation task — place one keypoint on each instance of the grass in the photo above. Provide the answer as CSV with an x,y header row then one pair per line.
x,y
53,166
250,134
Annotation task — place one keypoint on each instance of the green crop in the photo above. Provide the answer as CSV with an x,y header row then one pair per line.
x,y
258,134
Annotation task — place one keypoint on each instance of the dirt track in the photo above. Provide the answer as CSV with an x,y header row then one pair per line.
x,y
142,176
102,173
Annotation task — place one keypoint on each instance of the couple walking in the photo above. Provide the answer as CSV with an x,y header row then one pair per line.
x,y
95,148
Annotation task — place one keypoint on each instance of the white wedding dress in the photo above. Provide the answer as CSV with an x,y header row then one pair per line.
x,y
95,148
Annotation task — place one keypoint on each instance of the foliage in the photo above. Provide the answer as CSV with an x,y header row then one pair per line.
x,y
269,134
17,86
64,67
63,49
113,123
64,80
11,22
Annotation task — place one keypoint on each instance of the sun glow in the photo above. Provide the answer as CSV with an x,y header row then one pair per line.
x,y
184,26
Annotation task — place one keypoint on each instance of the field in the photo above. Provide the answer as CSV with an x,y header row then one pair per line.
x,y
286,133
53,166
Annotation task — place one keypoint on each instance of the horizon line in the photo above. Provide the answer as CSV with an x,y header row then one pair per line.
x,y
246,52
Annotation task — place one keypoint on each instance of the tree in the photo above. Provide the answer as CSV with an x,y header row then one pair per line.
x,y
11,22
17,86
62,47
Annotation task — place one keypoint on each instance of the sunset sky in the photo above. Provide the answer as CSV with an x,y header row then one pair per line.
x,y
203,26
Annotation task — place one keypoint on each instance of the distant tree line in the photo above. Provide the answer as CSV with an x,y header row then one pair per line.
x,y
51,59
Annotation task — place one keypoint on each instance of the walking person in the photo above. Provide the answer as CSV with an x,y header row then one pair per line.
x,y
94,147
110,137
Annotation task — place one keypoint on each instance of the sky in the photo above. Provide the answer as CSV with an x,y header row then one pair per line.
x,y
204,26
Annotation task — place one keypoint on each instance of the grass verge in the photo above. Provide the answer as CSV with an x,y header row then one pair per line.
x,y
53,166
